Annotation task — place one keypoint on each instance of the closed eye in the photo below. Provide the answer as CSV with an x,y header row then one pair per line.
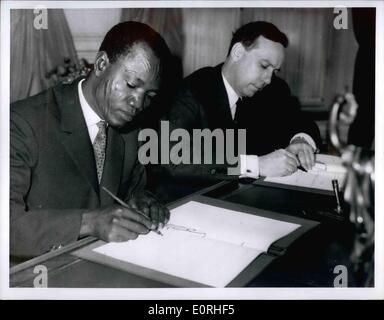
x,y
152,94
131,85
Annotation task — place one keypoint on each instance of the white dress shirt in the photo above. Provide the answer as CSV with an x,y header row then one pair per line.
x,y
232,97
90,116
249,164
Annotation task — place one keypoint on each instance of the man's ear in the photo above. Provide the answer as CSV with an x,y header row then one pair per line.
x,y
237,51
101,62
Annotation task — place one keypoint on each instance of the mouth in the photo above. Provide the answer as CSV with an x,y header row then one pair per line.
x,y
127,115
255,88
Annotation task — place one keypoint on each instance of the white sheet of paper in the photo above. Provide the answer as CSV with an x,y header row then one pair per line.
x,y
225,243
201,260
231,226
319,178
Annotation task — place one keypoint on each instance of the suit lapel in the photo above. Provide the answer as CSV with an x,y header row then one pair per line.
x,y
223,112
113,166
74,133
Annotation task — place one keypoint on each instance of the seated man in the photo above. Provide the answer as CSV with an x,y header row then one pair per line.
x,y
244,92
71,141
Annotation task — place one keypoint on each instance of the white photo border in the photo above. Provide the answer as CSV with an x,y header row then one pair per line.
x,y
188,293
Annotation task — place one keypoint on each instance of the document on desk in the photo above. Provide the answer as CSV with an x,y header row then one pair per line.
x,y
326,169
202,243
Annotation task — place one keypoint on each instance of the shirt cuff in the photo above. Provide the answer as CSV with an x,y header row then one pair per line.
x,y
307,138
249,166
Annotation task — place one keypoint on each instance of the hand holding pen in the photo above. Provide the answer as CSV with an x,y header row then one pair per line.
x,y
148,207
304,153
120,222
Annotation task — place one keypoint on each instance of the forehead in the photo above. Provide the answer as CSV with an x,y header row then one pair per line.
x,y
140,62
268,50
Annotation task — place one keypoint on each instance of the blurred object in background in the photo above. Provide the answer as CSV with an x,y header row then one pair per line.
x,y
36,51
357,112
362,130
69,71
359,189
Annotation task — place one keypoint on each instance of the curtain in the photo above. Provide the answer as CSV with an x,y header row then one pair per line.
x,y
35,52
208,35
167,22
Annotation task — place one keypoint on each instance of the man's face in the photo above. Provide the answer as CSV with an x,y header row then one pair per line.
x,y
255,67
126,86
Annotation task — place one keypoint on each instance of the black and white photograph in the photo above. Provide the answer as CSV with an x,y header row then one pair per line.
x,y
192,150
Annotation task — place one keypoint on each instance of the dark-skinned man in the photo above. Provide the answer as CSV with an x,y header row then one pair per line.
x,y
70,141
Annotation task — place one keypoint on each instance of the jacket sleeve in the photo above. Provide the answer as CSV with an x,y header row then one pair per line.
x,y
33,231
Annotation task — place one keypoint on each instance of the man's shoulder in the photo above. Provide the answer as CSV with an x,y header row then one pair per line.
x,y
43,104
31,104
202,83
202,76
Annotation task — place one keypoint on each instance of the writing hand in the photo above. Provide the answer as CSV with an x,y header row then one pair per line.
x,y
147,204
304,152
277,163
114,224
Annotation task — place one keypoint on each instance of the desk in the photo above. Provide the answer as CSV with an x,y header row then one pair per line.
x,y
309,262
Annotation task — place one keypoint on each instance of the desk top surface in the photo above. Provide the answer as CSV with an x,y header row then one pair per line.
x,y
309,262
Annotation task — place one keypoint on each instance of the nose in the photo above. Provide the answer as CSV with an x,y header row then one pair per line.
x,y
137,100
268,77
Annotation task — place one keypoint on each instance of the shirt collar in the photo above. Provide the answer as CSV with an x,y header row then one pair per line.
x,y
90,116
232,95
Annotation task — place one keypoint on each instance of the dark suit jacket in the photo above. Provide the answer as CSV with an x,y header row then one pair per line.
x,y
271,117
53,177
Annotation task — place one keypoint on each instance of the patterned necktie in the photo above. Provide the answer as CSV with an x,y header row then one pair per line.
x,y
99,146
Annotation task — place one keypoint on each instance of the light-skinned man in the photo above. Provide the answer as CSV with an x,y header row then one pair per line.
x,y
245,93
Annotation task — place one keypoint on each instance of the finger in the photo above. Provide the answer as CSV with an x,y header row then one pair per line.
x,y
292,168
292,148
120,234
292,162
154,212
162,213
311,156
291,157
309,153
167,214
132,203
144,208
307,159
289,170
134,215
130,225
303,159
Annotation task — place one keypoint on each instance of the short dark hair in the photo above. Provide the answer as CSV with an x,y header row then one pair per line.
x,y
248,33
122,37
